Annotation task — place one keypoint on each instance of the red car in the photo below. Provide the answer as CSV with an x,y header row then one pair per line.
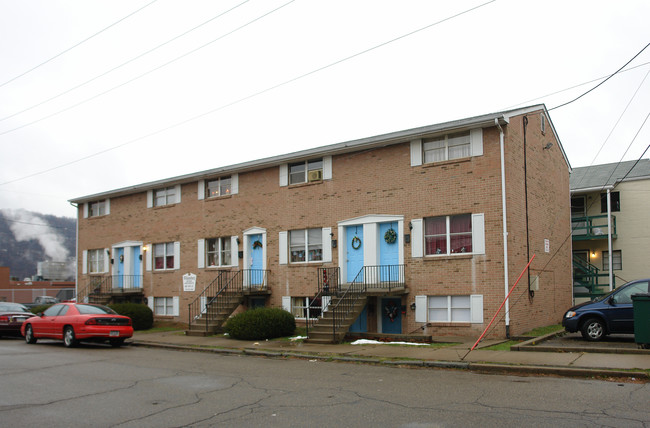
x,y
75,322
12,316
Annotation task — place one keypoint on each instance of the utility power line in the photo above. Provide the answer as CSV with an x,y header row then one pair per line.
x,y
123,64
610,76
76,45
240,100
147,72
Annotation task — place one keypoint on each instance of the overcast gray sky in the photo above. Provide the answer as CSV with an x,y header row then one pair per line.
x,y
98,95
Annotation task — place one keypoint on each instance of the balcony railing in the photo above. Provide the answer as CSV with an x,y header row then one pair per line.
x,y
591,227
111,285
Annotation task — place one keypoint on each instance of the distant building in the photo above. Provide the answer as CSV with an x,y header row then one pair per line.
x,y
610,215
27,291
55,271
426,228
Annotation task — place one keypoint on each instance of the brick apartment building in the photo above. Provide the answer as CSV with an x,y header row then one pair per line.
x,y
413,222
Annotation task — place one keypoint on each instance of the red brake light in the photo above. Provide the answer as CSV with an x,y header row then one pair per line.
x,y
129,322
4,318
91,321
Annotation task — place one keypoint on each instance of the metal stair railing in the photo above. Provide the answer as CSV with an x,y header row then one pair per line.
x,y
347,301
196,308
587,275
94,282
328,285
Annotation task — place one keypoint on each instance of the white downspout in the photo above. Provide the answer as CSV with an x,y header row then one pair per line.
x,y
505,225
609,239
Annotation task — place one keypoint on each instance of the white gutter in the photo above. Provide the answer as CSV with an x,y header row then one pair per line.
x,y
609,239
591,189
505,224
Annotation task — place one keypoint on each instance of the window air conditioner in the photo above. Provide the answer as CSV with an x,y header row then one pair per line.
x,y
316,175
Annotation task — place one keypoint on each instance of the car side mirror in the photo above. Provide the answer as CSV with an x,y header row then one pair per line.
x,y
40,314
611,300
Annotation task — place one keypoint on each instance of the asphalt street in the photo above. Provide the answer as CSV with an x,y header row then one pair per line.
x,y
94,385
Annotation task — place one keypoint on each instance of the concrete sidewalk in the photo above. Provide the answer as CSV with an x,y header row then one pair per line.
x,y
622,360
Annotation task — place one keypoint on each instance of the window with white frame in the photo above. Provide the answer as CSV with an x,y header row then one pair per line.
x,y
306,307
306,245
449,309
218,252
446,235
96,261
97,208
163,256
306,172
164,196
164,306
218,187
447,147
617,260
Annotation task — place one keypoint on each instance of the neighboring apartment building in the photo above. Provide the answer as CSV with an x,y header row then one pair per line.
x,y
414,218
610,209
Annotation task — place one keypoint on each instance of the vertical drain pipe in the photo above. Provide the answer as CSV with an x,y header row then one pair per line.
x,y
505,225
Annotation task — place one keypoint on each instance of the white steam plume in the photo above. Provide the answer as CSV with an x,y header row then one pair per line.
x,y
26,226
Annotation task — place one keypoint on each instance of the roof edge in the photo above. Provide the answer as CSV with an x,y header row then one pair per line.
x,y
483,121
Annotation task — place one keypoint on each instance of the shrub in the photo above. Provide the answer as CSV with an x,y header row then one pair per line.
x,y
39,308
140,314
261,323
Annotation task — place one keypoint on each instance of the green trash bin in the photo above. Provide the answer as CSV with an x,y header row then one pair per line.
x,y
641,306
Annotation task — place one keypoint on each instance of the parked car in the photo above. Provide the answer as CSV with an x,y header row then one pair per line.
x,y
610,314
45,300
12,316
75,322
42,300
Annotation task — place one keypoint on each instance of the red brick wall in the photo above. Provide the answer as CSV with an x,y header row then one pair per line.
x,y
378,181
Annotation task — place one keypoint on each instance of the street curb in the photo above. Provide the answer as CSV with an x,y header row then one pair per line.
x,y
533,345
528,345
509,369
558,371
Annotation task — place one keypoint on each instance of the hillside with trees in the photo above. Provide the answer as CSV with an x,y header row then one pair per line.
x,y
27,238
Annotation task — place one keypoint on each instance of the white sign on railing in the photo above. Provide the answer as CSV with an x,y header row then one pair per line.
x,y
189,282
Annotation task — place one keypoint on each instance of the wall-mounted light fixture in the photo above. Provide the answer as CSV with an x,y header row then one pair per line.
x,y
410,226
593,254
548,146
413,306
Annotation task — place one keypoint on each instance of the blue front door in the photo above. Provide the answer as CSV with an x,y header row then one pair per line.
x,y
257,259
391,316
119,259
354,265
388,253
361,324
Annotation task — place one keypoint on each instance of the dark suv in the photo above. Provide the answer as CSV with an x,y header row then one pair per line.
x,y
611,313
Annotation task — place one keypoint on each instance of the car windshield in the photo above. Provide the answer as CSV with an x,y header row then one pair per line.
x,y
13,307
95,310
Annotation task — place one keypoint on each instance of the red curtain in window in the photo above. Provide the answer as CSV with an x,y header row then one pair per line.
x,y
435,232
461,233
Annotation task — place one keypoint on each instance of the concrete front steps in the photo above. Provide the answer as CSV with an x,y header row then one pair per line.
x,y
217,317
323,330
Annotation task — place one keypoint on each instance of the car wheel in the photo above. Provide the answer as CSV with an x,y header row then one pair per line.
x,y
68,337
29,335
593,329
116,343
